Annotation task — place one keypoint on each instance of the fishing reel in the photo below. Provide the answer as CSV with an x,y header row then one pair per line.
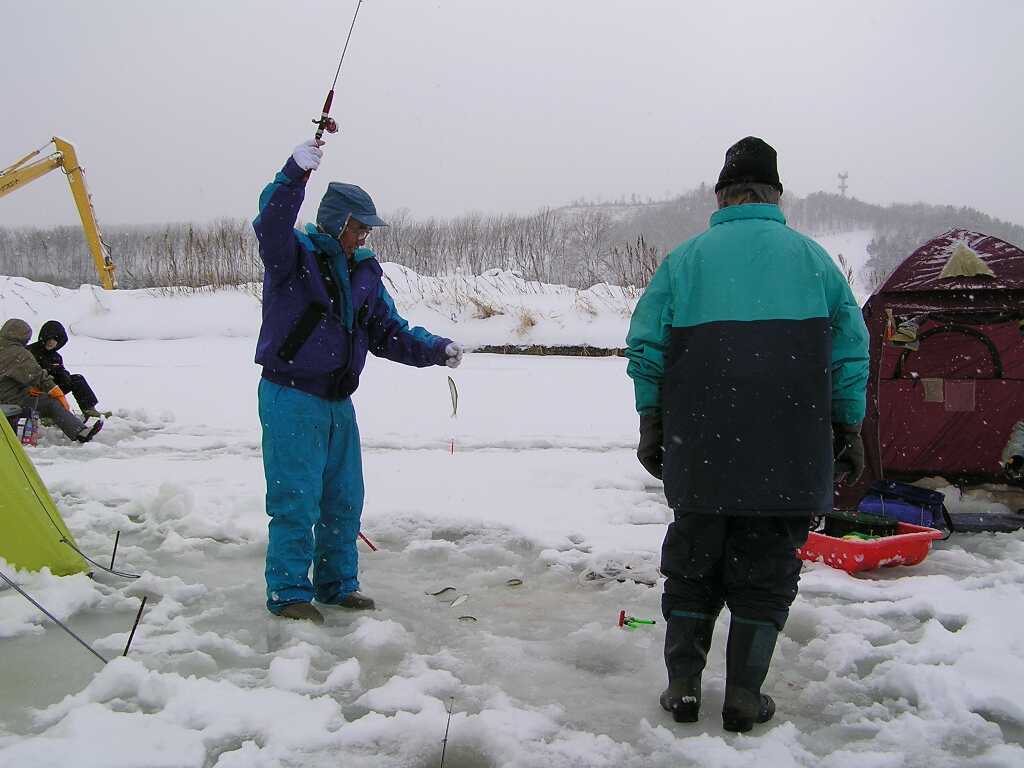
x,y
325,124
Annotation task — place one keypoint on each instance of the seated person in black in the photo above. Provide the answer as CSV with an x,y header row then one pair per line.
x,y
53,337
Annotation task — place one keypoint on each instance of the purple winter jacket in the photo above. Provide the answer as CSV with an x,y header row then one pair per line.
x,y
322,312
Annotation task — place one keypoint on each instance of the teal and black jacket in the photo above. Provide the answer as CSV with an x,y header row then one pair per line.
x,y
322,312
750,343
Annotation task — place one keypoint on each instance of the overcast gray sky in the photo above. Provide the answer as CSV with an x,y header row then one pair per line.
x,y
183,110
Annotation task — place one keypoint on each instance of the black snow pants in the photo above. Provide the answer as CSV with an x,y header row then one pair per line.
x,y
75,384
747,563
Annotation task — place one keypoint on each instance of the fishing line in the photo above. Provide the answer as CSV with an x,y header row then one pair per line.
x,y
325,122
52,618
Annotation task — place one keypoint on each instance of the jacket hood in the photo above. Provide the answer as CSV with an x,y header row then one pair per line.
x,y
53,330
15,330
343,200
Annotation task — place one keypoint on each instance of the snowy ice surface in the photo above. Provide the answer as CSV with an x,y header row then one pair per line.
x,y
920,666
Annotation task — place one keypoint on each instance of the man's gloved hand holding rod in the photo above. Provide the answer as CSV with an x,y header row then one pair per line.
x,y
308,154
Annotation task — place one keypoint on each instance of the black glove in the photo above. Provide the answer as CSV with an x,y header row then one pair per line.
x,y
650,451
848,452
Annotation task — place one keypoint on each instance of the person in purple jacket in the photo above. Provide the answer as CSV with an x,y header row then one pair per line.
x,y
324,308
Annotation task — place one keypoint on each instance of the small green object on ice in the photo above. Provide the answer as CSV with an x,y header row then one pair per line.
x,y
631,622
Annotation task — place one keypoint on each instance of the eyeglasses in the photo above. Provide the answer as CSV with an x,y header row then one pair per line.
x,y
357,227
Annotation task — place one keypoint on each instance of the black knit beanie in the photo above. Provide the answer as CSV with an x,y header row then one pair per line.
x,y
751,160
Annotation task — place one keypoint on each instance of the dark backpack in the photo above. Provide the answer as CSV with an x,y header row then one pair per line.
x,y
906,503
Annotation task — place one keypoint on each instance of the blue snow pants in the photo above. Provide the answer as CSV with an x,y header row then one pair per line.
x,y
314,471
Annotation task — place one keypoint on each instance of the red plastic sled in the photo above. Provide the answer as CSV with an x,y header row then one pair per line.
x,y
908,547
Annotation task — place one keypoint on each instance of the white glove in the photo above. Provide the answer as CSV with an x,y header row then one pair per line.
x,y
454,352
307,155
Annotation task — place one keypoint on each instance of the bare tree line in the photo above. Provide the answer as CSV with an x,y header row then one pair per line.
x,y
213,255
574,248
578,246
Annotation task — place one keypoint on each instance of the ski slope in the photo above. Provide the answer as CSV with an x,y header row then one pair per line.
x,y
908,667
851,247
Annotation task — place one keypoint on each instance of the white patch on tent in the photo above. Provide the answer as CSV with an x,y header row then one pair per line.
x,y
965,262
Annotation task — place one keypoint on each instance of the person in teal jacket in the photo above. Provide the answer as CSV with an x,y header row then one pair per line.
x,y
749,359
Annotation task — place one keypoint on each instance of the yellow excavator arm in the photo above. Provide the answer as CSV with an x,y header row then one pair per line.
x,y
27,169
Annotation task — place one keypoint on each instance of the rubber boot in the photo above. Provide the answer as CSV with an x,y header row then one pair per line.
x,y
302,612
687,641
356,601
89,430
747,658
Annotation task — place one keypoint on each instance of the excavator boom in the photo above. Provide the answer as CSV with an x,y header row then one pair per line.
x,y
23,172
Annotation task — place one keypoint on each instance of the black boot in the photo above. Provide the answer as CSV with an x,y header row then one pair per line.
x,y
687,641
747,658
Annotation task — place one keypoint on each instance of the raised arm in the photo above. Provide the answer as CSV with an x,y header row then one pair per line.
x,y
279,209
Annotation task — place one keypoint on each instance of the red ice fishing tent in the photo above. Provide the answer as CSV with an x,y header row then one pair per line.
x,y
947,362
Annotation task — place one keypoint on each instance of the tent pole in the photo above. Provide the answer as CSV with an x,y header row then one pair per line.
x,y
138,617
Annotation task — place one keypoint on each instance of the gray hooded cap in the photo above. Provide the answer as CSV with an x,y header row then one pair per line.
x,y
16,330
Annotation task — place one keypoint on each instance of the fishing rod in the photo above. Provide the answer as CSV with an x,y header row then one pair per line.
x,y
444,741
325,122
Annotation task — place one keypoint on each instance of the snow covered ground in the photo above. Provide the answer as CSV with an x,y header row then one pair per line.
x,y
919,666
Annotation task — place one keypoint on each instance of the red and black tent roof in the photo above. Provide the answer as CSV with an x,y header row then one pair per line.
x,y
947,362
